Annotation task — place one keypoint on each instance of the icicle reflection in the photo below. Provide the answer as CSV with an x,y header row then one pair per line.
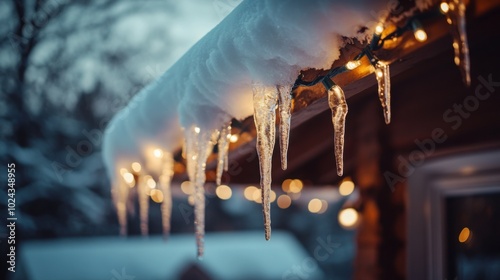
x,y
265,100
338,105
384,88
455,15
285,105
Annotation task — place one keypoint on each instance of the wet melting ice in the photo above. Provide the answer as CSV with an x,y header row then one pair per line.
x,y
285,105
265,100
338,105
455,15
223,147
199,145
384,88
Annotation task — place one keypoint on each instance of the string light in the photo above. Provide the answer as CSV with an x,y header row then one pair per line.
x,y
444,7
353,64
158,153
418,31
136,167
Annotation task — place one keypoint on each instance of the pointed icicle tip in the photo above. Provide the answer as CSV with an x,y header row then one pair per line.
x,y
285,106
265,100
338,106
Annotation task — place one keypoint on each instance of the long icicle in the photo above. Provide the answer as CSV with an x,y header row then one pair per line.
x,y
384,88
165,180
198,147
338,105
285,106
455,15
223,147
143,204
265,100
120,195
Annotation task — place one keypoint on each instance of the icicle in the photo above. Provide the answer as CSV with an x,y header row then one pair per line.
x,y
384,88
338,105
198,147
143,203
285,105
455,15
165,179
265,100
223,147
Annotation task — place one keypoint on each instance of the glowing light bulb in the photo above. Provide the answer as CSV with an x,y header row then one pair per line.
x,y
420,35
353,64
284,201
196,129
223,192
151,182
129,178
379,29
464,235
296,186
234,138
136,167
158,153
314,205
249,191
348,217
346,187
444,7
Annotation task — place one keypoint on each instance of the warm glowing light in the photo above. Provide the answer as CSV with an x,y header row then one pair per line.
x,y
348,217
257,196
457,60
444,7
196,129
151,182
324,206
187,188
314,205
136,167
157,196
158,153
464,235
128,177
123,171
346,187
379,29
248,192
285,186
296,186
284,201
223,192
420,35
353,64
233,138
379,73
272,196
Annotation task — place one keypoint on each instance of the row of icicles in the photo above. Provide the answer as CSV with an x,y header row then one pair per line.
x,y
266,101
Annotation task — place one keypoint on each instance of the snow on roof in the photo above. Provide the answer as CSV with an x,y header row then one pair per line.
x,y
260,41
229,256
249,58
